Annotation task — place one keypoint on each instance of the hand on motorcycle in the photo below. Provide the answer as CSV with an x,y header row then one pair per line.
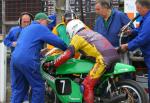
x,y
123,48
49,66
44,51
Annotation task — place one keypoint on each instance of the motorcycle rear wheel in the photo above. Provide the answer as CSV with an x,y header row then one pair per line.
x,y
135,93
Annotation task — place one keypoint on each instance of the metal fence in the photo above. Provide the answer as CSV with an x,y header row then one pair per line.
x,y
1,17
10,10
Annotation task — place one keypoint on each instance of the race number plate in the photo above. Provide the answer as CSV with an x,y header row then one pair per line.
x,y
63,86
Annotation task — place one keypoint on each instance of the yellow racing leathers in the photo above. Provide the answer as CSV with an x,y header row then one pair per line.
x,y
95,46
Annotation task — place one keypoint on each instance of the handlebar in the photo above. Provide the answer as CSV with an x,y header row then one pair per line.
x,y
125,28
51,51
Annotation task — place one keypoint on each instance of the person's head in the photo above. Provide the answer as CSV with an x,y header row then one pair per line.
x,y
102,7
25,19
68,16
143,6
42,18
74,26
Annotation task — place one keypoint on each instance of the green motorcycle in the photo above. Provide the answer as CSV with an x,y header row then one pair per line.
x,y
65,85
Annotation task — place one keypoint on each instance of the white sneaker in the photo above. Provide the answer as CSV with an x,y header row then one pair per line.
x,y
26,102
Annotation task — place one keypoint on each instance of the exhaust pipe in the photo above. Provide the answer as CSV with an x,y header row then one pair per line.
x,y
116,99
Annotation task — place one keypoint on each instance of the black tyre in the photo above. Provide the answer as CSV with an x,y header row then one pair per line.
x,y
135,93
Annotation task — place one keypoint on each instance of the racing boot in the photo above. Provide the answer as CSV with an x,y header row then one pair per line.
x,y
89,84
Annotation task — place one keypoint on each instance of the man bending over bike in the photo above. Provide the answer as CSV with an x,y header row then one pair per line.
x,y
92,45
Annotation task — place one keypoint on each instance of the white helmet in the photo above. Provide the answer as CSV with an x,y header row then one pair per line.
x,y
74,26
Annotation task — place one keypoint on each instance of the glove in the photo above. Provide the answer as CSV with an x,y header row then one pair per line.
x,y
49,66
121,50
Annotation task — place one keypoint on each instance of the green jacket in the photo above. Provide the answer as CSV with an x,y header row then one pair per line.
x,y
60,30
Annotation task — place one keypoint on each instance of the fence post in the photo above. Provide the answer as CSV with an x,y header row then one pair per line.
x,y
2,71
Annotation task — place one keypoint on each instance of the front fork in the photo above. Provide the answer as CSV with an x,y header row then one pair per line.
x,y
111,83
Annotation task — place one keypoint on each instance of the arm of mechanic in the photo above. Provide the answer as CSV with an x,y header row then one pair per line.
x,y
142,38
52,39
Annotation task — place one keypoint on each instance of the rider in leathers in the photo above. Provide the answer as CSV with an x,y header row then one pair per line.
x,y
92,45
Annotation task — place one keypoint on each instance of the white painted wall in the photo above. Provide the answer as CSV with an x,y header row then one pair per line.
x,y
2,73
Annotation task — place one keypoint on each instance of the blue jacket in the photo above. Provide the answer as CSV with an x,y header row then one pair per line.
x,y
12,36
117,20
31,41
142,39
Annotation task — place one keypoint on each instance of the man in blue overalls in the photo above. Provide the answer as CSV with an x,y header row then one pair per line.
x,y
110,21
142,34
26,59
10,41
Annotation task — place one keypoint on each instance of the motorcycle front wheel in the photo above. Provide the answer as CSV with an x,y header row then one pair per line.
x,y
50,96
135,93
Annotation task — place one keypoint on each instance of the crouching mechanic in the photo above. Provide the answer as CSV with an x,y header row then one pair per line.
x,y
90,44
60,29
